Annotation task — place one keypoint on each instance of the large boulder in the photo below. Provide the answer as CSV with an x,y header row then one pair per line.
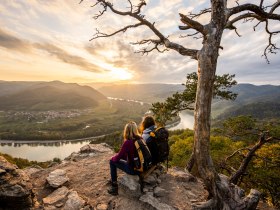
x,y
74,201
153,203
130,184
63,198
96,148
15,187
57,197
57,178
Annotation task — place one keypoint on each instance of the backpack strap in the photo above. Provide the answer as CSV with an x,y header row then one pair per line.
x,y
140,154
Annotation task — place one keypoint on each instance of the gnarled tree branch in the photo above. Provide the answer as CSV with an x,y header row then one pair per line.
x,y
254,8
248,157
192,24
135,12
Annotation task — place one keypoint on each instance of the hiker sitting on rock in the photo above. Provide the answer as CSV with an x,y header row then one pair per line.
x,y
148,125
124,159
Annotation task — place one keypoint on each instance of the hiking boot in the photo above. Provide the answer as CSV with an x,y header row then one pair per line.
x,y
113,189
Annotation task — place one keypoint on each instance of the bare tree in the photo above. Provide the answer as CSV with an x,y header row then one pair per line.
x,y
221,17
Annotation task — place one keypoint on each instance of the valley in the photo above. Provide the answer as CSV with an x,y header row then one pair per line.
x,y
107,117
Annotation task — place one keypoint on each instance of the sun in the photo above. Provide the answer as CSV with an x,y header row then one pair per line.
x,y
121,74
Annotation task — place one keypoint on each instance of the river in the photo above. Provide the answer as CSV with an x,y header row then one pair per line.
x,y
186,121
47,150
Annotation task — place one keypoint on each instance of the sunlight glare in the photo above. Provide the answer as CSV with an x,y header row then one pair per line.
x,y
121,74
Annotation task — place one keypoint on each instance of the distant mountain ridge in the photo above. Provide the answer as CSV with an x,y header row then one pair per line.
x,y
53,95
257,101
142,92
250,99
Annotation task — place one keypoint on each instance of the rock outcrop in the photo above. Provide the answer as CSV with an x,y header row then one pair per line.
x,y
57,178
81,183
15,187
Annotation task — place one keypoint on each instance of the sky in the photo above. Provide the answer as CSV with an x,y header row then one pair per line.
x,y
46,40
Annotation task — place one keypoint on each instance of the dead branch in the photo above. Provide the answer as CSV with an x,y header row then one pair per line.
x,y
193,24
96,16
204,11
256,9
135,12
256,26
235,152
271,47
274,7
261,4
248,157
229,24
154,42
99,34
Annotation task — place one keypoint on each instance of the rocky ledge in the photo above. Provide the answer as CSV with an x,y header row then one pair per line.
x,y
80,182
16,190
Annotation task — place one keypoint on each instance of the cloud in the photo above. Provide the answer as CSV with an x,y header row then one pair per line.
x,y
156,67
60,29
69,58
13,43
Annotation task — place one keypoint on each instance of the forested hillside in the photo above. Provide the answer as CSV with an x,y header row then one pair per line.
x,y
258,101
231,142
42,96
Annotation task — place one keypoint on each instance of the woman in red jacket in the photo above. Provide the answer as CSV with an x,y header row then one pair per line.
x,y
124,159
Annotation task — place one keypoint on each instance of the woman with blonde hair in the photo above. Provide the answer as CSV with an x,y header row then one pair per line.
x,y
124,158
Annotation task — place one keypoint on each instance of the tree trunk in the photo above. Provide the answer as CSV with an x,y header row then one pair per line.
x,y
222,195
207,61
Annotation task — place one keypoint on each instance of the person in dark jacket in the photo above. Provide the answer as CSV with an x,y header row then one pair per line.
x,y
124,159
148,125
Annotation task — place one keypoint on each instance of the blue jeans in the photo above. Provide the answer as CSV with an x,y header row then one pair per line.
x,y
123,165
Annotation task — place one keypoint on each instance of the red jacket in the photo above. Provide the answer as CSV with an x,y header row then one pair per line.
x,y
127,152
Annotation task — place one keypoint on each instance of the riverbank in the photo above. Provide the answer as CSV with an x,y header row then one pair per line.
x,y
51,141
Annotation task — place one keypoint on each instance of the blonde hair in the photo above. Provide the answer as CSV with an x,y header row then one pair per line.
x,y
130,131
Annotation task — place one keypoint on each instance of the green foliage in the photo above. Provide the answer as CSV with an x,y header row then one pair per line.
x,y
115,140
263,170
260,110
221,147
164,111
234,134
264,173
180,151
181,144
56,160
238,128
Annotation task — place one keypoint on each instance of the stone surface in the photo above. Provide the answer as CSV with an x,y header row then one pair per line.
x,y
74,202
57,178
96,148
31,170
151,180
154,203
159,192
57,196
130,184
102,206
15,187
182,176
2,171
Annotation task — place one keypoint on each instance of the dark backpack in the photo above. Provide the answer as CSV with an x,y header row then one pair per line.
x,y
143,159
158,145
